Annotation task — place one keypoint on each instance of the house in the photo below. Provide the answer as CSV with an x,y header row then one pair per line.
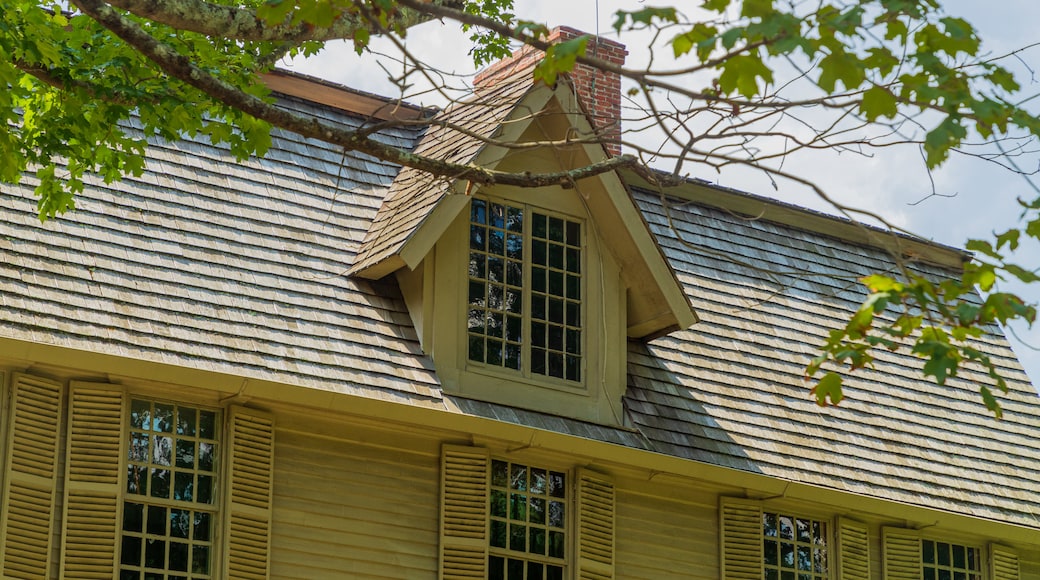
x,y
316,364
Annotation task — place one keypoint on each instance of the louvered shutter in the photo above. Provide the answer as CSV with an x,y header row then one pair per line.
x,y
595,526
464,491
31,469
92,481
902,559
740,524
853,553
1003,563
247,505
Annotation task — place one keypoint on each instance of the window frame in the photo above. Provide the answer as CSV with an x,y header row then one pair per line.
x,y
526,370
214,509
439,287
798,514
465,512
980,559
567,562
742,537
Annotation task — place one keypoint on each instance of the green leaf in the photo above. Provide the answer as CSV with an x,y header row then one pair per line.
x,y
320,13
828,390
942,357
939,141
881,283
983,247
842,66
719,6
700,36
646,17
756,8
1027,276
991,402
878,102
1009,239
275,11
361,38
560,58
741,73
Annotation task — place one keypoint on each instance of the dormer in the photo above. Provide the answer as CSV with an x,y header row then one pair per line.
x,y
526,296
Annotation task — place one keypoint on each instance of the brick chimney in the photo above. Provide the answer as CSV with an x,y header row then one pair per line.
x,y
598,91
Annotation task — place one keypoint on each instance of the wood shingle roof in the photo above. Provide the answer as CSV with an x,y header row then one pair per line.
x,y
207,263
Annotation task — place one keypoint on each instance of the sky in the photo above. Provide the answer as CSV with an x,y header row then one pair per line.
x,y
978,198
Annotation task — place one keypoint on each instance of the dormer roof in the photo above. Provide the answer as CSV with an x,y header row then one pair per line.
x,y
483,130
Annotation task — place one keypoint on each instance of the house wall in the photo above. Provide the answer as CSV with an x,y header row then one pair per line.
x,y
353,500
358,496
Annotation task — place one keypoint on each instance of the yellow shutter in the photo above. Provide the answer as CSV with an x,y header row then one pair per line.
x,y
92,481
902,558
1003,563
464,491
853,550
740,524
595,526
31,468
247,521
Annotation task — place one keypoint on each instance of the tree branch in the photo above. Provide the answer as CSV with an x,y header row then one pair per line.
x,y
181,68
243,23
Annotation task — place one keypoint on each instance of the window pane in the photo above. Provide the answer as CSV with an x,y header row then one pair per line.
x,y
155,554
131,552
499,473
160,483
207,424
162,420
498,534
186,419
201,526
556,229
496,568
573,233
516,569
133,517
555,544
518,507
140,415
517,538
478,211
185,454
200,559
537,510
942,551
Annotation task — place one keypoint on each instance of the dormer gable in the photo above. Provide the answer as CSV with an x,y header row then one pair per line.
x,y
508,107
510,285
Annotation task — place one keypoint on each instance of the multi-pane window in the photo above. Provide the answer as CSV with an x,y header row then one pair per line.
x,y
525,291
528,507
793,548
943,561
169,506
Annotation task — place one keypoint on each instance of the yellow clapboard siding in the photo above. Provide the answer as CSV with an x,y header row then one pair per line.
x,y
344,507
662,538
374,492
380,525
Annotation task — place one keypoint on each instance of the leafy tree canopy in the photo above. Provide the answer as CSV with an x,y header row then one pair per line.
x,y
738,82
